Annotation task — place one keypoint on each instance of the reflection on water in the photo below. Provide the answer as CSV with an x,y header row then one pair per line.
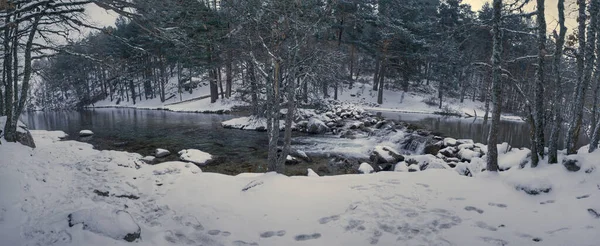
x,y
513,132
142,131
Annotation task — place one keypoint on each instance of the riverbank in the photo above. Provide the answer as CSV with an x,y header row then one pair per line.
x,y
414,102
176,204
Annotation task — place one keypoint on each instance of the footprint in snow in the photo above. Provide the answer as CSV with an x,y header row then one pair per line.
x,y
242,243
424,185
500,205
584,196
326,220
269,234
375,238
494,241
304,237
457,199
471,208
547,202
485,226
355,224
214,232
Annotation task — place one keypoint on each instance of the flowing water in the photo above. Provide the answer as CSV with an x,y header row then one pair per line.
x,y
516,133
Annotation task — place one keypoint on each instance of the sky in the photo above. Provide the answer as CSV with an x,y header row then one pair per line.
x,y
551,12
100,16
107,18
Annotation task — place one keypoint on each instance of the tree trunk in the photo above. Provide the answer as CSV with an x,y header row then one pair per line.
x,y
492,159
253,89
585,63
381,83
557,113
376,75
539,86
229,82
9,131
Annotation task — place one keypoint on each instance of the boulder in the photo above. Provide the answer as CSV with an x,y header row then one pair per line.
x,y
571,164
365,168
85,133
300,155
401,167
149,159
316,126
467,154
195,156
413,168
449,152
385,154
431,149
117,224
289,160
450,142
160,153
24,136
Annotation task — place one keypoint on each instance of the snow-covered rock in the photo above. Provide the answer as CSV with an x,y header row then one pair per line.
x,y
290,160
23,135
427,162
300,154
467,154
117,224
401,167
513,158
85,133
365,168
450,142
385,154
160,153
465,146
571,164
316,126
413,168
311,173
149,159
195,156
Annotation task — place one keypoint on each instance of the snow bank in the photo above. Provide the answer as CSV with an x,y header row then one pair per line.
x,y
195,156
175,204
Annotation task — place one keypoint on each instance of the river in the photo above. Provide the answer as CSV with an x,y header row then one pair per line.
x,y
142,131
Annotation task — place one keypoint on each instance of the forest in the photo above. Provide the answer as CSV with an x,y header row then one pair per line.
x,y
281,54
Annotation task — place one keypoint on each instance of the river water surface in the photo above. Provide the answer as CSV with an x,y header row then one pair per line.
x,y
142,131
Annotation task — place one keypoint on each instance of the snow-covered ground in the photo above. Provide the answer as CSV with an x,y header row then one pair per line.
x,y
413,102
197,101
110,193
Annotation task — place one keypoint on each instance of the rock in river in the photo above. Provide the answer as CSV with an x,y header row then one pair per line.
x,y
160,153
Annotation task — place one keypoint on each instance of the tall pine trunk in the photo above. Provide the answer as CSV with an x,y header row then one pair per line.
x,y
585,63
557,112
492,159
539,85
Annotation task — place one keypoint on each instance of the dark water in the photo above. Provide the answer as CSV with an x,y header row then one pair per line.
x,y
142,131
513,132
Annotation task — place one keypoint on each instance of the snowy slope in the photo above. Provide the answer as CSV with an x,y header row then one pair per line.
x,y
197,101
411,102
176,204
